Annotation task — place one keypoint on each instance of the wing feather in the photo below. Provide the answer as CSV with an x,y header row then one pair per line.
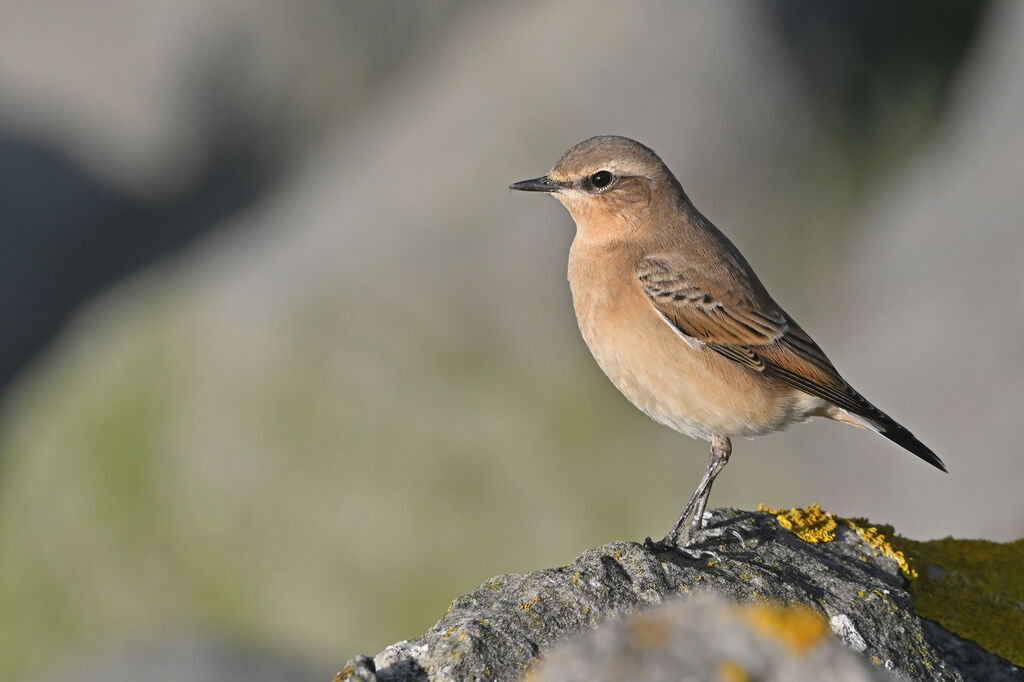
x,y
734,316
745,325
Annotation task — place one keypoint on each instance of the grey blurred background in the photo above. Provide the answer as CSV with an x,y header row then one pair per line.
x,y
284,367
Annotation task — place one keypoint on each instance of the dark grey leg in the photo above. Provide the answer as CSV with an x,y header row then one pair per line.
x,y
680,536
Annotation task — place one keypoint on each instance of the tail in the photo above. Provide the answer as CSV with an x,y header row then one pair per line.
x,y
890,428
906,440
879,422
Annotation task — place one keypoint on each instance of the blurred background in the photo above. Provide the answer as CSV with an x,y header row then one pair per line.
x,y
284,366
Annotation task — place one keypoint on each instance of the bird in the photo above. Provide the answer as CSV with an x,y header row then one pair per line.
x,y
676,318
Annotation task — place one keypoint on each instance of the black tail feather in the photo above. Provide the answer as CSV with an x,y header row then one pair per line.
x,y
906,440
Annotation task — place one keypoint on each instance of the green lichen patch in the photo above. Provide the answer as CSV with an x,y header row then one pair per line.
x,y
974,588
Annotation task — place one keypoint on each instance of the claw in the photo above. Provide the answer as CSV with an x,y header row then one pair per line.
x,y
662,545
720,532
666,545
697,553
739,537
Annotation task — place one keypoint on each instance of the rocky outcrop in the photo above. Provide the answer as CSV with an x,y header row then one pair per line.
x,y
790,595
706,637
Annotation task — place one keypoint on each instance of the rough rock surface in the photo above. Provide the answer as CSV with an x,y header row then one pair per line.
x,y
686,639
501,629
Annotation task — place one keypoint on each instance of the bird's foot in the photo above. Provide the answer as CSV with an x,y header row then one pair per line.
x,y
697,553
663,545
723,533
698,534
690,546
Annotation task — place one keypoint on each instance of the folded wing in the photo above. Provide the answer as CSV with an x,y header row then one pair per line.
x,y
735,317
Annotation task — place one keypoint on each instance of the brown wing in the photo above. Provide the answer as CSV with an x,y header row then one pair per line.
x,y
733,315
740,321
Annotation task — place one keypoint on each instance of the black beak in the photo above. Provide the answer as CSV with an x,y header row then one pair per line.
x,y
541,184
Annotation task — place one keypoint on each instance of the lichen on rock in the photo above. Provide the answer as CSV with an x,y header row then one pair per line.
x,y
814,524
973,588
845,587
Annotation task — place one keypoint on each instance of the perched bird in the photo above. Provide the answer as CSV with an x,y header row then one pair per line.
x,y
677,319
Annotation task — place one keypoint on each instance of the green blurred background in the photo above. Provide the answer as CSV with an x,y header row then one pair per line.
x,y
284,367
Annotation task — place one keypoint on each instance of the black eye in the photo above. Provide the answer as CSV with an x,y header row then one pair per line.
x,y
600,179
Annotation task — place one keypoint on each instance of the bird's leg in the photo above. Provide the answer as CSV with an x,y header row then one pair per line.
x,y
721,448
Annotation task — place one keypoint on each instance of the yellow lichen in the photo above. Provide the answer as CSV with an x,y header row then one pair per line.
x,y
527,605
731,671
797,627
810,524
813,524
576,578
877,540
974,588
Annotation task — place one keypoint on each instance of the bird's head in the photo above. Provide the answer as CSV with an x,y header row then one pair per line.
x,y
606,181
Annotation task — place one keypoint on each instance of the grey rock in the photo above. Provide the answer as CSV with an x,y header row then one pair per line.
x,y
505,626
975,662
688,639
